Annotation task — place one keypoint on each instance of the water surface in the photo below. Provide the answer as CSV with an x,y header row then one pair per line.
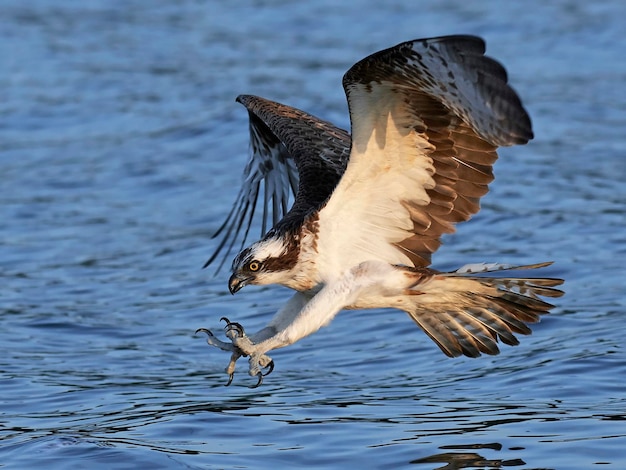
x,y
121,149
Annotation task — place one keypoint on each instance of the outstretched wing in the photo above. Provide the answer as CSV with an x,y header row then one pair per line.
x,y
291,152
427,117
271,164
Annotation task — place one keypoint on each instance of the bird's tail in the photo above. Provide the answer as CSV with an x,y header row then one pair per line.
x,y
467,311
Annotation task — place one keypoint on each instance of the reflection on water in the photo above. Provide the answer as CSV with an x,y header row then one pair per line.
x,y
120,152
458,460
393,425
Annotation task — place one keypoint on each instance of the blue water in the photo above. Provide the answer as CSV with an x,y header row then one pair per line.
x,y
121,149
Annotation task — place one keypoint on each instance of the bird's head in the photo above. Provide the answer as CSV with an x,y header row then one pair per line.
x,y
268,261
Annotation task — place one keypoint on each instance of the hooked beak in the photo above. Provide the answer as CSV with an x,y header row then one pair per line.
x,y
237,282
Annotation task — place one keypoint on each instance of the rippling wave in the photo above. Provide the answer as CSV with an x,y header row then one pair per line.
x,y
121,150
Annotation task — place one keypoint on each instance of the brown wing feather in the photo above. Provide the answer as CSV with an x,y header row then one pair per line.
x,y
463,164
454,105
279,136
320,150
459,101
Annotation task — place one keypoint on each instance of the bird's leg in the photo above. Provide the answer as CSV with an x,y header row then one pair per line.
x,y
245,347
307,312
235,331
230,368
213,341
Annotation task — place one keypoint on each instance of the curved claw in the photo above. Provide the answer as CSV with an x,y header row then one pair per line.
x,y
237,327
270,366
204,330
233,326
260,376
230,379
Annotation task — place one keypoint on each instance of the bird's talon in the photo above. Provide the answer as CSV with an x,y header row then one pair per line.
x,y
237,327
204,330
230,379
240,346
270,366
260,376
233,326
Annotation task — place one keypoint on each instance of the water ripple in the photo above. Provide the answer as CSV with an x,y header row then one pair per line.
x,y
120,153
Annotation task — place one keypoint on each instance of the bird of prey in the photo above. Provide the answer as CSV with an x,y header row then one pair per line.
x,y
370,207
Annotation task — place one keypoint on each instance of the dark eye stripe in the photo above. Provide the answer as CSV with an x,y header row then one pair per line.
x,y
282,263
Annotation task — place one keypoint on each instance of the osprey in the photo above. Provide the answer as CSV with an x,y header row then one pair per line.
x,y
427,117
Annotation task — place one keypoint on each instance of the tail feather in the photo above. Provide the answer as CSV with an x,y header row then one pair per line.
x,y
465,313
480,339
529,287
450,344
503,323
515,315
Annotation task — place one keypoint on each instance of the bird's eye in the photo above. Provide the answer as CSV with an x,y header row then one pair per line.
x,y
254,266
